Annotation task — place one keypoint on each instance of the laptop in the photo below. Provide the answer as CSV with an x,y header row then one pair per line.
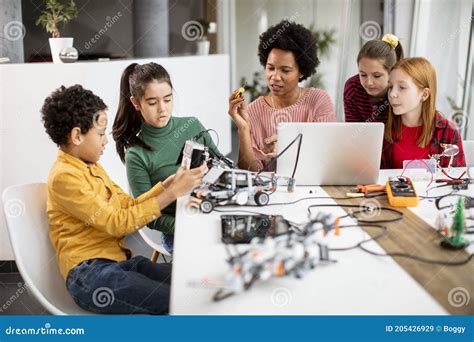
x,y
338,153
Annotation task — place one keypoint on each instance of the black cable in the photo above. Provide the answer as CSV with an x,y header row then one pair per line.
x,y
418,258
436,197
274,159
375,238
362,207
201,135
288,203
468,199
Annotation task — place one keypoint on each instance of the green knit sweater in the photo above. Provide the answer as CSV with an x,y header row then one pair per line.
x,y
146,168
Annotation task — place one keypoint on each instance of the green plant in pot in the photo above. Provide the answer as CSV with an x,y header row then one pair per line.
x,y
203,43
52,16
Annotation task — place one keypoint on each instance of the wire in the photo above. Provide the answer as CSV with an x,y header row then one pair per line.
x,y
273,159
201,135
427,167
436,197
444,172
293,202
418,258
363,208
375,238
468,200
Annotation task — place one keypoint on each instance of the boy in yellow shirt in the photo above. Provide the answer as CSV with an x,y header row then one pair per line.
x,y
89,214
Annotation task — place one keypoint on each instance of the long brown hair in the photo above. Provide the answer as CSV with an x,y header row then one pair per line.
x,y
423,75
381,50
128,121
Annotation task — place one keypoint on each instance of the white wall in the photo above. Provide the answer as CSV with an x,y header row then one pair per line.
x,y
324,14
26,153
441,35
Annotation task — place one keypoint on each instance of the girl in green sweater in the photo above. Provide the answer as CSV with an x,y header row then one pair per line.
x,y
148,138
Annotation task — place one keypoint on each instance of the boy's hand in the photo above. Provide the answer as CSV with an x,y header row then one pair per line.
x,y
167,182
185,180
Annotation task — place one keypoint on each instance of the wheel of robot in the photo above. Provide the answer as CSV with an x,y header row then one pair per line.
x,y
206,206
262,198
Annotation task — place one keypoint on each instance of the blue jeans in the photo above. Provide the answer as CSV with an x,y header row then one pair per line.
x,y
167,241
135,286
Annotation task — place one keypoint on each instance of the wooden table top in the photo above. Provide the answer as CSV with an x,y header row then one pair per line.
x,y
414,236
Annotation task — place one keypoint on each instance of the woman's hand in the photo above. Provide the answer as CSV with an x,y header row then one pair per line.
x,y
270,149
238,112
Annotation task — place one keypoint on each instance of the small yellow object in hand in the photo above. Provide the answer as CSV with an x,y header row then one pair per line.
x,y
239,92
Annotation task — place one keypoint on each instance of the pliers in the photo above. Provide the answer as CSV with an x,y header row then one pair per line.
x,y
363,190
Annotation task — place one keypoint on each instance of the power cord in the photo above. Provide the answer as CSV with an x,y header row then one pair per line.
x,y
363,209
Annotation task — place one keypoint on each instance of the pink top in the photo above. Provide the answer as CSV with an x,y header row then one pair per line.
x,y
315,105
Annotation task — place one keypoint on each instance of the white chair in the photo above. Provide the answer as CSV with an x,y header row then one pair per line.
x,y
153,239
468,146
28,228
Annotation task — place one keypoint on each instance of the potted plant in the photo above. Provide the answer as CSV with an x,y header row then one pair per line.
x,y
50,18
203,44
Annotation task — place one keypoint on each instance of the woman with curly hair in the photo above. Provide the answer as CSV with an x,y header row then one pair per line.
x,y
288,53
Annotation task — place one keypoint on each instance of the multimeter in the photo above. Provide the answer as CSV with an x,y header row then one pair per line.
x,y
401,192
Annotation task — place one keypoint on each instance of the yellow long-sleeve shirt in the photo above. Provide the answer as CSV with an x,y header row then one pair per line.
x,y
89,214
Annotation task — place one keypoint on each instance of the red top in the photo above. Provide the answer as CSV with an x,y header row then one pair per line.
x,y
406,148
445,132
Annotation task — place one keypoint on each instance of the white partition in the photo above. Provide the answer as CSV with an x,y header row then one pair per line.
x,y
201,86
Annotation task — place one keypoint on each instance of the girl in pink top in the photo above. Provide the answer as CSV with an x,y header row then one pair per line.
x,y
287,51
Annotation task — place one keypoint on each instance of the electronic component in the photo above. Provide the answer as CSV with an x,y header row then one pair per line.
x,y
243,228
288,252
232,186
194,154
239,92
401,192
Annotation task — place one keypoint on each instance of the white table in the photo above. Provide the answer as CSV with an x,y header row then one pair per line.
x,y
359,283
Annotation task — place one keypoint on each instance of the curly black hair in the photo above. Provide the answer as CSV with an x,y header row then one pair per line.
x,y
67,108
293,37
